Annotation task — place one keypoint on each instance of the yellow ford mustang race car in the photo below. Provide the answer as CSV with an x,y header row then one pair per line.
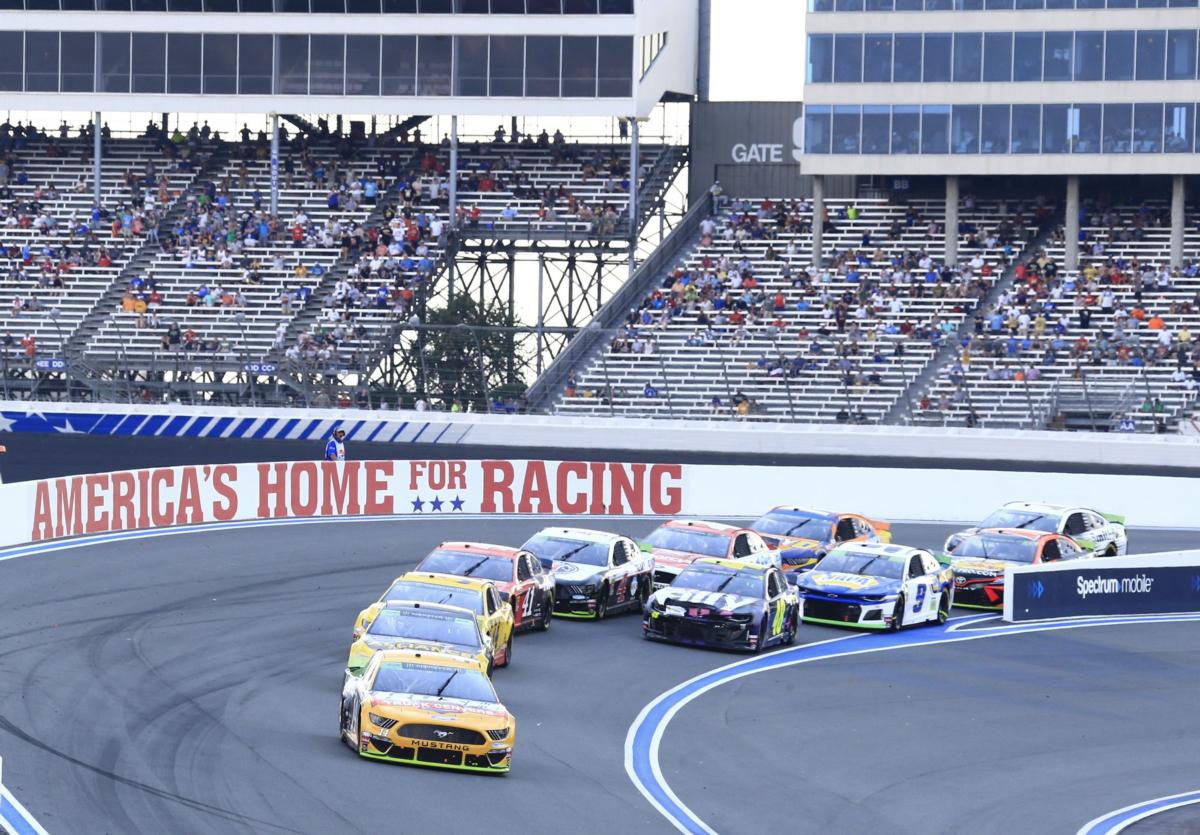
x,y
422,627
427,709
480,596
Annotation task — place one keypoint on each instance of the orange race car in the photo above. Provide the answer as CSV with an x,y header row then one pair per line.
x,y
803,535
979,559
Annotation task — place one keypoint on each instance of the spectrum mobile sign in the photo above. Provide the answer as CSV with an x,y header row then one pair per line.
x,y
1140,585
192,495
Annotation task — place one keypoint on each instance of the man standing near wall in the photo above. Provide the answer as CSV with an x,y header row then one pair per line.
x,y
335,450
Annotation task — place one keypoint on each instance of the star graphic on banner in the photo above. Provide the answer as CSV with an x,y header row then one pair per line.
x,y
457,503
6,423
67,428
436,504
418,505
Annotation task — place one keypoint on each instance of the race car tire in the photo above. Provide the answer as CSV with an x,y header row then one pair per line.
x,y
491,667
602,602
898,615
508,651
543,622
791,635
1111,551
351,736
643,595
943,612
760,642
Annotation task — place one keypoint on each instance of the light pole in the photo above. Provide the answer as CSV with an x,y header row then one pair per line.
x,y
62,347
240,318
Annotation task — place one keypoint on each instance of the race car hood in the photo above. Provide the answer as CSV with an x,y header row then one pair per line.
x,y
709,599
800,544
846,584
673,559
980,567
411,706
377,643
576,574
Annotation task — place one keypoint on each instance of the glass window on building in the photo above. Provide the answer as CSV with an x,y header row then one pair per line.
x,y
506,66
997,56
1118,56
820,59
183,63
471,59
615,65
937,58
968,56
1118,128
848,5
1147,128
964,129
1055,129
327,65
1178,128
254,64
877,58
906,129
1027,56
847,59
846,129
1181,54
909,5
935,129
1084,128
435,54
1057,56
1026,129
220,64
1151,54
12,61
997,4
78,62
906,58
362,65
112,59
817,123
876,128
993,129
542,58
1089,56
292,58
398,76
579,67
41,62
879,5
149,73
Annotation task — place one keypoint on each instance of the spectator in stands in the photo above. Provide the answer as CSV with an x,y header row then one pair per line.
x,y
649,391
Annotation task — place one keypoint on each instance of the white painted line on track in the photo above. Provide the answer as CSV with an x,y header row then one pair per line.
x,y
1116,821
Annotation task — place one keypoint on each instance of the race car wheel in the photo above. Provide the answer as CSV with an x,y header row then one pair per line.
x,y
943,612
547,613
791,635
1111,552
761,642
351,736
602,602
508,651
898,615
643,594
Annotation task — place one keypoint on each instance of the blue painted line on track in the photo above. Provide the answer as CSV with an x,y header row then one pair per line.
x,y
1114,822
16,817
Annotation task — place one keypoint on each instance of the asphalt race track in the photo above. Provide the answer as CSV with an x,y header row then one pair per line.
x,y
188,684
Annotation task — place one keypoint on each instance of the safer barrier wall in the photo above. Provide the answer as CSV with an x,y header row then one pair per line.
x,y
166,497
1166,583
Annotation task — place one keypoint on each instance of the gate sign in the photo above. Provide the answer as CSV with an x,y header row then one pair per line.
x,y
50,364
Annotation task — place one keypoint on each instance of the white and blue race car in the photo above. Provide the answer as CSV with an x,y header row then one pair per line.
x,y
875,585
1101,533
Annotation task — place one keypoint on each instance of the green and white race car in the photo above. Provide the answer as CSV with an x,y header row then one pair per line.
x,y
1101,533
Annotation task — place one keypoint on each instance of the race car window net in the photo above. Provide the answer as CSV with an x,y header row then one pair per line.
x,y
422,626
790,524
1008,548
1025,519
423,680
429,593
468,565
870,565
690,541
745,584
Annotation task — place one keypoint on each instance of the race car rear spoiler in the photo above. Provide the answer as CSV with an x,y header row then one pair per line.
x,y
1114,518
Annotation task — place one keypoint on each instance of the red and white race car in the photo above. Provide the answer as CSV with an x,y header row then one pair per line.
x,y
678,543
518,575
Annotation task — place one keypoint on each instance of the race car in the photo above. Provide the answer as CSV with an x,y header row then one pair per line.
x,y
1103,533
727,604
427,708
595,573
978,561
422,627
875,585
518,575
676,544
480,596
802,535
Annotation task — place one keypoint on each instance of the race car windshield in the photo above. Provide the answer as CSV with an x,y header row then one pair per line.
x,y
1008,548
869,565
425,626
690,541
567,550
430,593
468,565
744,583
428,680
1027,519
780,523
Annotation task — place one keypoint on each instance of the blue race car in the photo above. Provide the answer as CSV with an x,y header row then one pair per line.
x,y
873,585
802,536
